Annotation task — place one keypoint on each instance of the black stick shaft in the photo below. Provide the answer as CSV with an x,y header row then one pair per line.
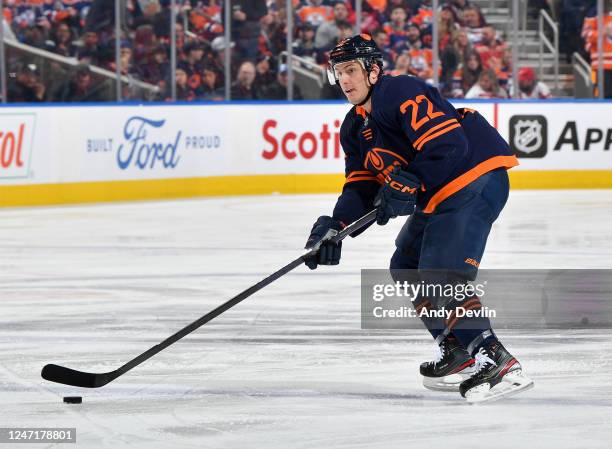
x,y
69,376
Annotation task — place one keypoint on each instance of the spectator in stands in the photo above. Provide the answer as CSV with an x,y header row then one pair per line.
x,y
210,87
25,85
590,34
423,15
157,70
403,66
469,74
272,39
81,88
486,87
304,45
264,74
472,24
382,41
570,22
346,31
447,29
458,8
407,5
529,86
328,32
452,58
206,20
371,19
62,38
315,13
246,15
36,36
90,45
144,44
184,92
243,88
491,50
397,27
192,63
420,58
278,89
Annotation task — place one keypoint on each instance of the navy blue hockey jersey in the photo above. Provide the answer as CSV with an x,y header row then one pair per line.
x,y
413,127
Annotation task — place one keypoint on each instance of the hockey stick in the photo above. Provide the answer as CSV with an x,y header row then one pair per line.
x,y
68,376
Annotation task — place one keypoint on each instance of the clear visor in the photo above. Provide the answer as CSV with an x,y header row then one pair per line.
x,y
332,72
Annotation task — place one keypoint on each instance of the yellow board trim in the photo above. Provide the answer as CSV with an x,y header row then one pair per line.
x,y
560,179
155,189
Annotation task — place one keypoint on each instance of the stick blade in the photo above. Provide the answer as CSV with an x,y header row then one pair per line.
x,y
68,376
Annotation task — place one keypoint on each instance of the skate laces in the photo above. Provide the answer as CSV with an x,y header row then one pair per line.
x,y
482,359
439,352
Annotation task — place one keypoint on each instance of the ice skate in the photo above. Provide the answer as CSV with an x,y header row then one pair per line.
x,y
497,374
451,366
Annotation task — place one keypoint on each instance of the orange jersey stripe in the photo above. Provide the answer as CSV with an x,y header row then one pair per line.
x,y
434,129
359,172
471,175
362,178
439,133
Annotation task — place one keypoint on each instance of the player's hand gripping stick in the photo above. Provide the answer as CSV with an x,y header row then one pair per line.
x,y
397,197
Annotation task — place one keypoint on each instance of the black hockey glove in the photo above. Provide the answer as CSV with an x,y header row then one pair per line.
x,y
396,197
329,253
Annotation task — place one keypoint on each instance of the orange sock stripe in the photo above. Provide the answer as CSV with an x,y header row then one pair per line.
x,y
466,308
467,304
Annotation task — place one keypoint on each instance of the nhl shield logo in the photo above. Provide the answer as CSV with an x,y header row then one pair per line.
x,y
528,135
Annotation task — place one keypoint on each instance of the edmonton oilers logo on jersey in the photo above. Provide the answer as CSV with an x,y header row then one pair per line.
x,y
382,162
528,136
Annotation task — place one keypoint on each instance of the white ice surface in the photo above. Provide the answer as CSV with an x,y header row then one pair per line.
x,y
91,287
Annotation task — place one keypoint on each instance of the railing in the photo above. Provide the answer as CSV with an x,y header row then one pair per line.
x,y
552,47
583,84
312,74
150,89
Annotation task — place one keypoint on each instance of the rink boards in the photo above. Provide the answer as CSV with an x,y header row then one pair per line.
x,y
97,152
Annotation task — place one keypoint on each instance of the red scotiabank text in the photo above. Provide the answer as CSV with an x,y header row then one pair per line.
x,y
323,143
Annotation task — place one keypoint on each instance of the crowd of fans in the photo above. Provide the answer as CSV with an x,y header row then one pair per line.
x,y
475,61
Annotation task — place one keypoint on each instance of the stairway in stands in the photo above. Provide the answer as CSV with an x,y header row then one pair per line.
x,y
497,14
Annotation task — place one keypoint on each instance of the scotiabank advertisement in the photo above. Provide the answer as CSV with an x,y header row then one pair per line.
x,y
114,143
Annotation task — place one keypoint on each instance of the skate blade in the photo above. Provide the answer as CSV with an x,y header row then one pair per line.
x,y
511,384
448,383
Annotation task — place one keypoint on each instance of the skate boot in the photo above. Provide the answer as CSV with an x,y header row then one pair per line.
x,y
497,374
451,366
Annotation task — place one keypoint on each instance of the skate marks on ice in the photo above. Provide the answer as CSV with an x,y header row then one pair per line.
x,y
289,367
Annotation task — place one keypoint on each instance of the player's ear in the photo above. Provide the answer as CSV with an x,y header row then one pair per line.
x,y
374,74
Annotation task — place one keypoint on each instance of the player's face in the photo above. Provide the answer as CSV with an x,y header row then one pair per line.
x,y
352,79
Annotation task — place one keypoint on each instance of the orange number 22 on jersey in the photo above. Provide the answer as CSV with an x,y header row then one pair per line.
x,y
416,122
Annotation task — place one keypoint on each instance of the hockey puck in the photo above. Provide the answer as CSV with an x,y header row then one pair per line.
x,y
73,399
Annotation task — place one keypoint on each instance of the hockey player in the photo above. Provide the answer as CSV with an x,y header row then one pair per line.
x,y
411,153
